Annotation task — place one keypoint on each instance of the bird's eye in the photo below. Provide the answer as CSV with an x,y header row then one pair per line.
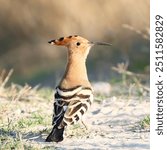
x,y
78,43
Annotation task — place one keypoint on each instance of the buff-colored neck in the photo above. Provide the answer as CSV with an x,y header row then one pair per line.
x,y
76,73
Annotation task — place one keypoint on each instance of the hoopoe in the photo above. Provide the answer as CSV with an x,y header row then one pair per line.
x,y
74,94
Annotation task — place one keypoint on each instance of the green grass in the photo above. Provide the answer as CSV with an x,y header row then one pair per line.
x,y
34,120
21,120
26,114
145,123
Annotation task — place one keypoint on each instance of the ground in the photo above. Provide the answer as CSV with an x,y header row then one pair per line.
x,y
114,122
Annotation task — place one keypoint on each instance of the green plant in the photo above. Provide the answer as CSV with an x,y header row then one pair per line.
x,y
145,123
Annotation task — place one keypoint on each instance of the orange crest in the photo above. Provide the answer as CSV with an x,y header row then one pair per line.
x,y
66,41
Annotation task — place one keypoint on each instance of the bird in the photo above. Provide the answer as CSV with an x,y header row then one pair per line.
x,y
74,94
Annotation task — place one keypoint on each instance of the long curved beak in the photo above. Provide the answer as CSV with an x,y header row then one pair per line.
x,y
100,43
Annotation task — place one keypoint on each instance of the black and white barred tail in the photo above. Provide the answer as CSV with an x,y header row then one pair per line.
x,y
70,106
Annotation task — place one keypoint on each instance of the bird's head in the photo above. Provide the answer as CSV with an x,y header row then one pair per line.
x,y
76,45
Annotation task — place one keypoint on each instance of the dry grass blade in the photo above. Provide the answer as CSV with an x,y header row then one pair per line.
x,y
22,92
145,35
16,92
122,69
4,79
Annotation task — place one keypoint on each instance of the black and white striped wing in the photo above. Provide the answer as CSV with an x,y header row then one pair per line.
x,y
71,105
80,103
62,99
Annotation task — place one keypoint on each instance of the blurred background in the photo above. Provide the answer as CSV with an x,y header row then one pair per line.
x,y
26,26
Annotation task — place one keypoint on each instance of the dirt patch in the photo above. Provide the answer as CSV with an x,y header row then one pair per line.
x,y
112,124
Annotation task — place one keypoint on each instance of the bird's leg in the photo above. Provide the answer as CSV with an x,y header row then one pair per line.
x,y
84,124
